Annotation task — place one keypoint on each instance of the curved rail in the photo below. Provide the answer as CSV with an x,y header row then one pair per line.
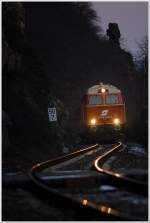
x,y
100,160
40,166
117,178
103,213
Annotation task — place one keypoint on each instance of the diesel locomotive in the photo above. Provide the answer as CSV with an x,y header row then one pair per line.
x,y
104,111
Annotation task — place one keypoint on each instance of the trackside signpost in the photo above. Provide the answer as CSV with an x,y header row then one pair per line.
x,y
52,114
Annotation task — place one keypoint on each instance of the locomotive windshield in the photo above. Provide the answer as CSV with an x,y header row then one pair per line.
x,y
112,99
95,100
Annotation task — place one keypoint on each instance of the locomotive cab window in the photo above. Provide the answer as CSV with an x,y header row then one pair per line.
x,y
95,100
112,99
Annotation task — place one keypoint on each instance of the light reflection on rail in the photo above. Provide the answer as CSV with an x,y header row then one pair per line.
x,y
101,208
84,202
97,161
105,209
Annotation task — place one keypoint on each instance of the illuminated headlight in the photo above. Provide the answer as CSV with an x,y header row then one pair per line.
x,y
103,90
116,121
93,121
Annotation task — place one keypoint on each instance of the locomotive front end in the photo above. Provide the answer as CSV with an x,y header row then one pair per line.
x,y
104,110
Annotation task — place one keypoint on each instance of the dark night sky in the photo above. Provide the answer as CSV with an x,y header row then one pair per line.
x,y
132,18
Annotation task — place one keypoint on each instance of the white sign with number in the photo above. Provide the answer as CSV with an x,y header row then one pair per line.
x,y
52,114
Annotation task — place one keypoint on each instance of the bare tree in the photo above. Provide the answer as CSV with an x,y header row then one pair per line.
x,y
142,54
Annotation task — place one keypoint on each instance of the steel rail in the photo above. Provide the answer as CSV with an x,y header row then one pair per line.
x,y
85,208
117,178
40,166
101,212
100,160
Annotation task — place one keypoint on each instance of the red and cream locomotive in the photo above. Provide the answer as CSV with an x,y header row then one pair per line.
x,y
104,109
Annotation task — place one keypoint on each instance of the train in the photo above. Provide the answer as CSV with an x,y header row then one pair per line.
x,y
104,113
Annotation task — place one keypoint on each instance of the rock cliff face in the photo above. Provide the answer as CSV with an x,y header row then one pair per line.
x,y
26,95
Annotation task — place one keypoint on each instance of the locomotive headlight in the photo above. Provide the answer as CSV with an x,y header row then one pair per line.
x,y
116,121
93,121
103,90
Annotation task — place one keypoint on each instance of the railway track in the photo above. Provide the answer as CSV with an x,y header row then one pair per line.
x,y
68,183
131,184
